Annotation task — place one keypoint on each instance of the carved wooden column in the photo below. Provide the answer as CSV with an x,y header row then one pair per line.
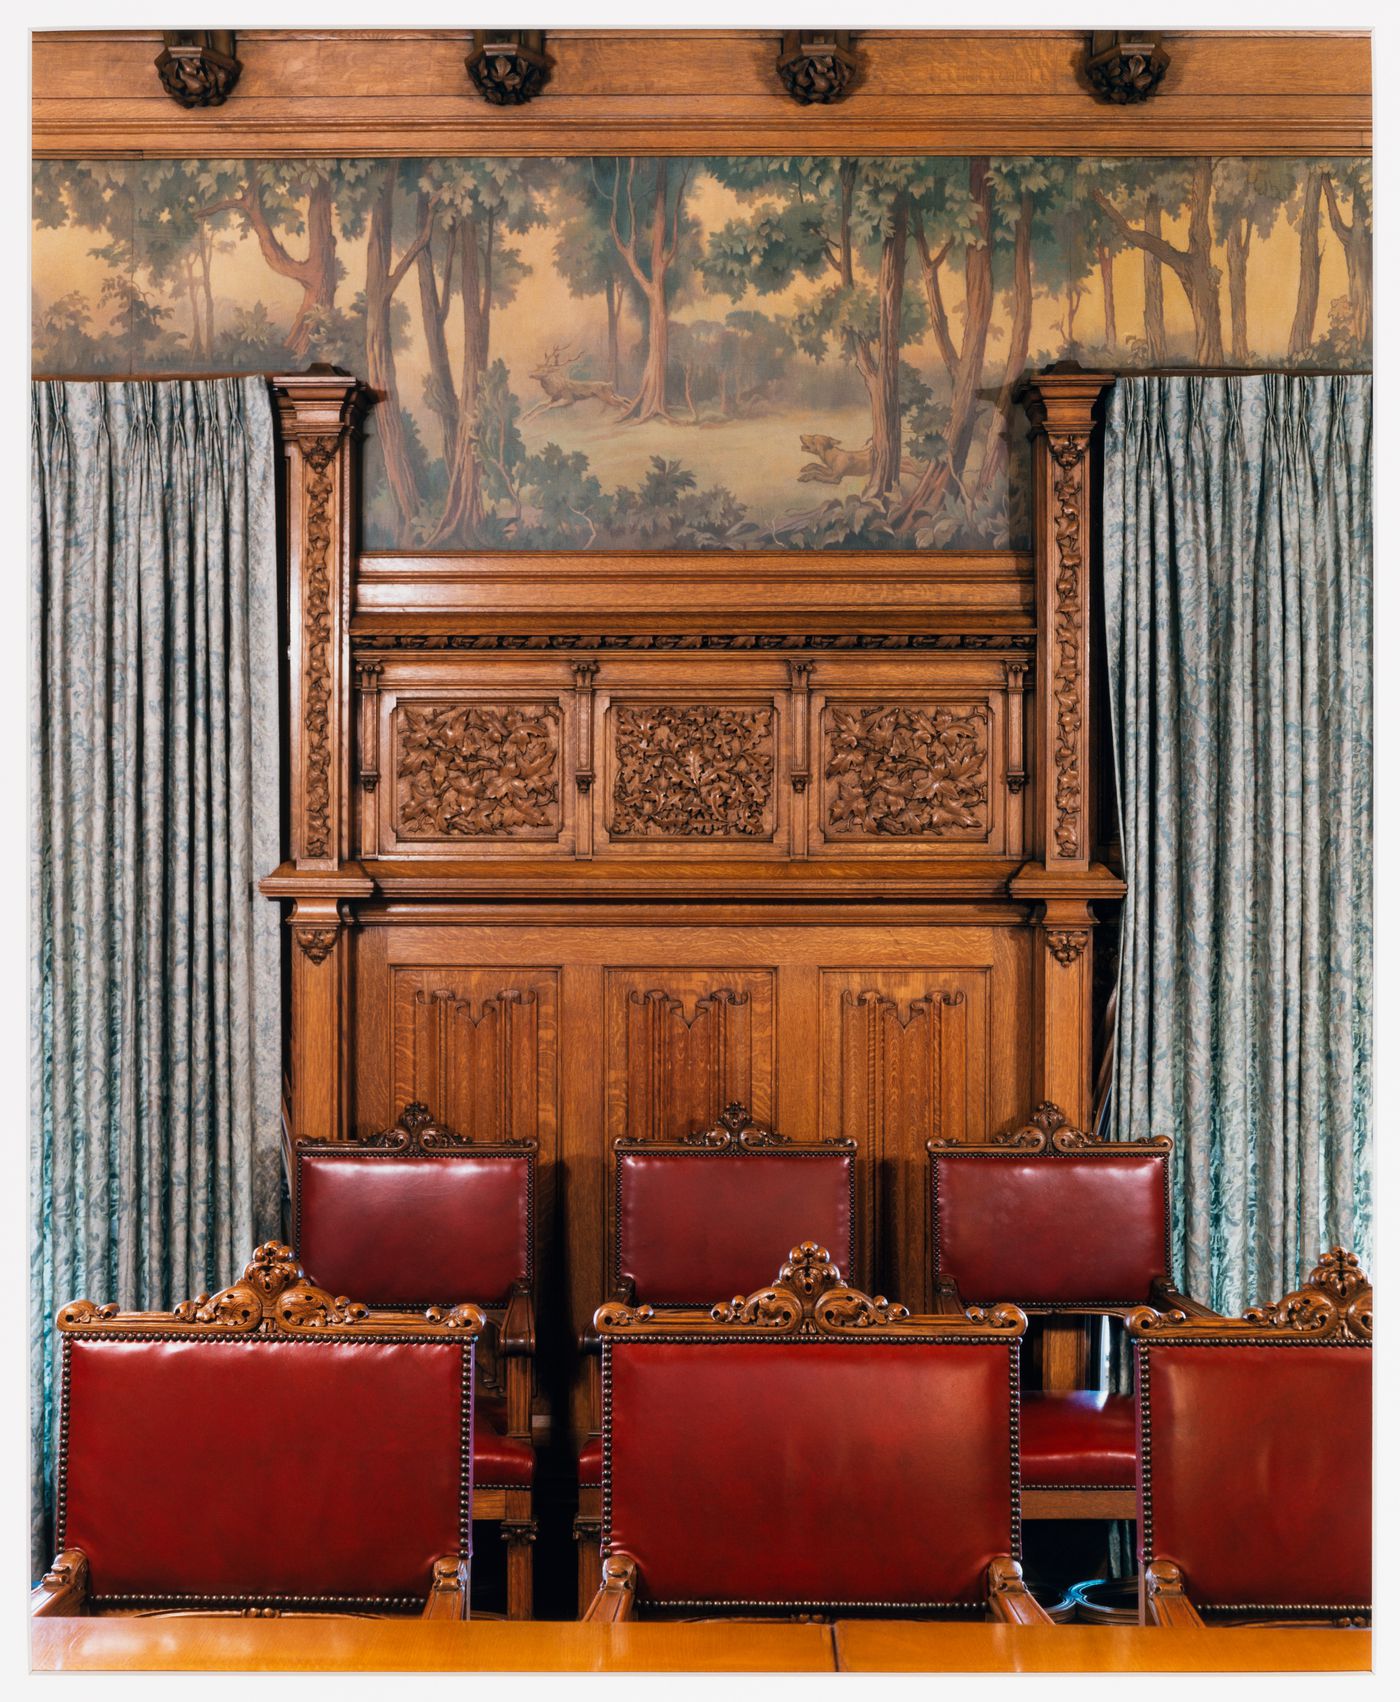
x,y
318,411
1061,880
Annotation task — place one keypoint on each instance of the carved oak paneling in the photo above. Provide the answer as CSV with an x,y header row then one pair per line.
x,y
896,1073
689,771
477,770
480,1047
681,1042
911,771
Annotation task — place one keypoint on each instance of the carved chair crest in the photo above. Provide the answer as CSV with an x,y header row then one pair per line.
x,y
416,1131
273,1297
809,1298
1334,1305
734,1130
1049,1130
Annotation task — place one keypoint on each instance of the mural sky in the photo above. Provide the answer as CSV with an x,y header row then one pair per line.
x,y
698,353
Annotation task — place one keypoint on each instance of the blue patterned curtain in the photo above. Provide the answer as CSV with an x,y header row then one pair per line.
x,y
1237,568
155,991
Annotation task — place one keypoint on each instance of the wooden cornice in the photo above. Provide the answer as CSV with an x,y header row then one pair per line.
x,y
405,92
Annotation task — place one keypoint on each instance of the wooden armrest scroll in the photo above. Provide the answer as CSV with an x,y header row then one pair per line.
x,y
451,1589
617,1595
1165,1598
946,1299
1009,1599
518,1327
62,1592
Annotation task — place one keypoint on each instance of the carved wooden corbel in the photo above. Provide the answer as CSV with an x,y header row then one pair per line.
x,y
816,67
508,67
199,67
1125,67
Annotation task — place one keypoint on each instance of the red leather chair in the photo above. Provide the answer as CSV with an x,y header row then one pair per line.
x,y
231,1455
418,1215
1255,1484
810,1449
1065,1226
693,1218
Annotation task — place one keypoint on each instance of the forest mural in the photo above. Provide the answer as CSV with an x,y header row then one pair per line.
x,y
731,353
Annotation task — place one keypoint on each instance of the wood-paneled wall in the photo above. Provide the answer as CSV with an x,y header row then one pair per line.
x,y
588,848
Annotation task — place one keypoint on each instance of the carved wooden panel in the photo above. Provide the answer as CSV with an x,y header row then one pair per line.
x,y
479,1046
474,771
682,1043
911,771
691,771
902,1053
716,751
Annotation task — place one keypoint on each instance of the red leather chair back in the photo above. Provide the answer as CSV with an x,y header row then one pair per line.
x,y
809,1473
419,1229
1256,1475
317,1471
697,1226
1051,1229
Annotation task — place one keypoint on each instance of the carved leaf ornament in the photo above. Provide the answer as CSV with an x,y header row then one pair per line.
x,y
907,771
478,770
688,771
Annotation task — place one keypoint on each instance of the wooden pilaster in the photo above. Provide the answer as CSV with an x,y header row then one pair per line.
x,y
1061,880
318,411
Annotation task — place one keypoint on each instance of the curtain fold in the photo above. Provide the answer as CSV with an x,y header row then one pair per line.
x,y
155,1028
1237,569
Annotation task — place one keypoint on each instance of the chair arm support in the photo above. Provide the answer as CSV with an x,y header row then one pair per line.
x,y
518,1325
1165,1298
946,1299
1164,1597
617,1595
62,1592
451,1589
1009,1599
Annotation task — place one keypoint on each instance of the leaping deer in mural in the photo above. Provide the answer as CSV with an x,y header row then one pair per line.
x,y
562,391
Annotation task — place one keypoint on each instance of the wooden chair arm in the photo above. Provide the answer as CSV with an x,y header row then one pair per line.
x,y
451,1589
1009,1599
1164,1597
62,1592
617,1594
1164,1298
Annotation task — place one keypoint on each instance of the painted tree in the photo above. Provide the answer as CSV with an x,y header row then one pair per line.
x,y
1305,214
384,201
1021,188
643,202
470,208
954,225
1249,195
279,199
1353,178
585,255
1192,264
839,222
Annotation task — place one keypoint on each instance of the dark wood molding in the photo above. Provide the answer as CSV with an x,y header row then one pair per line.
x,y
403,91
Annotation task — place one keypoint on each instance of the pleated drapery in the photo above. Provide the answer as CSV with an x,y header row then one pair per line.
x,y
155,987
1237,568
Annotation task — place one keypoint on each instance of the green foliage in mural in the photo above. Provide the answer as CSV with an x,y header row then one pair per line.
x,y
732,353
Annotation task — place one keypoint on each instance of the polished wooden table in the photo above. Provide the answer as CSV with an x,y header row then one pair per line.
x,y
893,1645
200,1643
207,1643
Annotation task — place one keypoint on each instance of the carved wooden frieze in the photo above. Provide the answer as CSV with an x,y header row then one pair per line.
x,y
692,771
478,770
906,770
319,455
